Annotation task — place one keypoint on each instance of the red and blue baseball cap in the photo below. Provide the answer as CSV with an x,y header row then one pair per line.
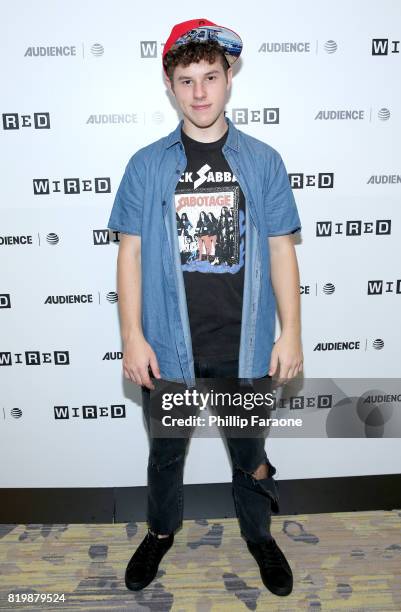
x,y
202,30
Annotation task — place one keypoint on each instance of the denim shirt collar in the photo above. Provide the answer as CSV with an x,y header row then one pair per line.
x,y
232,139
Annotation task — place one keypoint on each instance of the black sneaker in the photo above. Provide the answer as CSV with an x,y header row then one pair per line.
x,y
144,563
275,571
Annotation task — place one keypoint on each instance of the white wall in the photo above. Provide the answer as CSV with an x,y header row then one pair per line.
x,y
35,448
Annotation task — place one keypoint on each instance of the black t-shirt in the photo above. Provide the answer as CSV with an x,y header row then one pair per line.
x,y
210,213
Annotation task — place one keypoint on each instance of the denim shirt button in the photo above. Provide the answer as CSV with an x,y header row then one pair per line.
x,y
178,171
164,203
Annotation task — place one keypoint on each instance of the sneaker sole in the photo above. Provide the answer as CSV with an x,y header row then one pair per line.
x,y
138,586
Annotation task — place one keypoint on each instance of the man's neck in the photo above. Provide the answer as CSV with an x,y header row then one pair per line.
x,y
208,134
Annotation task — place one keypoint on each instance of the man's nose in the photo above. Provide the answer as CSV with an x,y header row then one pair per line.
x,y
199,90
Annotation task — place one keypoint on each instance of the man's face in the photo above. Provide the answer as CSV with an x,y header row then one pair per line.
x,y
201,90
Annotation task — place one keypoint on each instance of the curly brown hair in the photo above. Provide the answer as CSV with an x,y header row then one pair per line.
x,y
193,52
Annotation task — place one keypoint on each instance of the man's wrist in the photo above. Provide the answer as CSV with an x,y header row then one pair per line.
x,y
293,329
132,335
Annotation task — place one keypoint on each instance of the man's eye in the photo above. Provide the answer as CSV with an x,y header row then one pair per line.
x,y
212,77
186,82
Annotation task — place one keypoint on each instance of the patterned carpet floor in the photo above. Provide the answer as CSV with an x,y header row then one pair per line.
x,y
348,561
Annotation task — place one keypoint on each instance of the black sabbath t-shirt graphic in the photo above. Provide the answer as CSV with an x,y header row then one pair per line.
x,y
210,221
210,215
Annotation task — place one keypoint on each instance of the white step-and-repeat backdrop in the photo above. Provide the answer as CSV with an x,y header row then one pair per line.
x,y
81,91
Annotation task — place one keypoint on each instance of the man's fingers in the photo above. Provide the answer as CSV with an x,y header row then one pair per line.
x,y
273,365
128,374
280,374
145,378
292,372
154,366
139,376
135,376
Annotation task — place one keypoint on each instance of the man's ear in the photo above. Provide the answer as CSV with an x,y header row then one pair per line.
x,y
168,84
229,77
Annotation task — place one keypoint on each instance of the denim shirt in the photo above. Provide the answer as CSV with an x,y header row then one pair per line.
x,y
144,206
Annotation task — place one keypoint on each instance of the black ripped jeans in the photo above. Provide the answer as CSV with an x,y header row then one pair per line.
x,y
254,499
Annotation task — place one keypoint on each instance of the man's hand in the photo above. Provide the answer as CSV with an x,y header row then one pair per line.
x,y
286,358
138,356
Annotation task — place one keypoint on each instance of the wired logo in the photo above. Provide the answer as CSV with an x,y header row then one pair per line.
x,y
384,46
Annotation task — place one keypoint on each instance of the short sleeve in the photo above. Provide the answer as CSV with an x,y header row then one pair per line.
x,y
126,214
281,212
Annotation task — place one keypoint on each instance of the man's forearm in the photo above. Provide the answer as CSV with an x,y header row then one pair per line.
x,y
129,287
285,281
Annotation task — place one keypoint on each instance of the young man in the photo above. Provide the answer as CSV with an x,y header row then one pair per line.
x,y
211,314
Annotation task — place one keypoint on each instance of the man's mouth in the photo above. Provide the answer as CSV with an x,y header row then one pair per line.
x,y
200,107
